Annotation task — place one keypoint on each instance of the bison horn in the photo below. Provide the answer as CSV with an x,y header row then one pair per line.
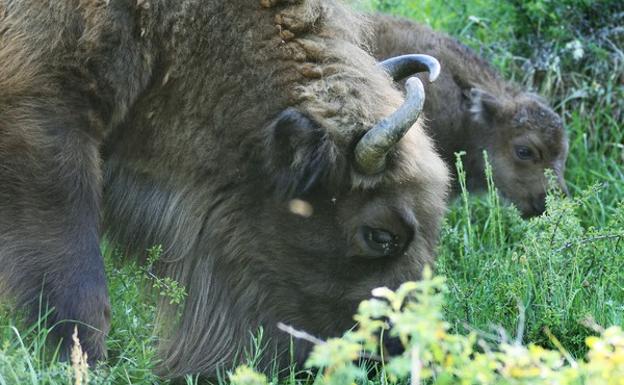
x,y
371,150
400,67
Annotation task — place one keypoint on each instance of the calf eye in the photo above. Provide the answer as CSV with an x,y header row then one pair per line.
x,y
523,152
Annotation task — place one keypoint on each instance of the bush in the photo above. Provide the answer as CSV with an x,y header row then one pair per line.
x,y
413,314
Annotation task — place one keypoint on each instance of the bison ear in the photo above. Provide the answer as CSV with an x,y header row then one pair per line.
x,y
482,105
300,154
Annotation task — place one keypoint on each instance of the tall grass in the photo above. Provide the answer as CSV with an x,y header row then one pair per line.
x,y
564,268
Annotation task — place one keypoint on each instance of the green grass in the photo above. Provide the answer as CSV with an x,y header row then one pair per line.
x,y
26,359
508,278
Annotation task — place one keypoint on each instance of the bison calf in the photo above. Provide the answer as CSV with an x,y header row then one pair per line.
x,y
471,108
200,122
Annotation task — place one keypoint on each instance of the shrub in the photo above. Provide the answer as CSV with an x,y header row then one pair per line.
x,y
413,314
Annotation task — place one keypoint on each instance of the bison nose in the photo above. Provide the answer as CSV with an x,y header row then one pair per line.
x,y
392,346
539,204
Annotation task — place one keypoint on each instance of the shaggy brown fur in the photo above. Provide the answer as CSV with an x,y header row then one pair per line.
x,y
213,115
64,84
471,108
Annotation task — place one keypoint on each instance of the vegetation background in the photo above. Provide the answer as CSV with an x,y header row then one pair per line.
x,y
560,275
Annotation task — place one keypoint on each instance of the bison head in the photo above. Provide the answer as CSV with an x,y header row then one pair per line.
x,y
284,183
524,138
341,220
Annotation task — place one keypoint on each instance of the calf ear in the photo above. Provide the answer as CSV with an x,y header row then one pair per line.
x,y
300,154
482,105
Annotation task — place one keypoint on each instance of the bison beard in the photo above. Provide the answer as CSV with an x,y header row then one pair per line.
x,y
210,116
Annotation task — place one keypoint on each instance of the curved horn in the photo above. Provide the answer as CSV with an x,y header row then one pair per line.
x,y
400,67
371,150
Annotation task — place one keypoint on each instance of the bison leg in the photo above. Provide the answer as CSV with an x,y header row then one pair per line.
x,y
49,220
69,72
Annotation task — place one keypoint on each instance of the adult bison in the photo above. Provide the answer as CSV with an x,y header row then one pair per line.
x,y
472,108
213,117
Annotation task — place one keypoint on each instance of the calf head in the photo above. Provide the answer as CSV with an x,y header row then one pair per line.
x,y
524,138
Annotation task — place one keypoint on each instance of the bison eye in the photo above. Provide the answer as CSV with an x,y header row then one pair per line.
x,y
381,243
524,152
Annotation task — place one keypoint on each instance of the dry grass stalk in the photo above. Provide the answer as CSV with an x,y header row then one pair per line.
x,y
79,361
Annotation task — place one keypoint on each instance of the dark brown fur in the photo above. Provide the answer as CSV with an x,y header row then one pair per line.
x,y
64,85
471,108
213,115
